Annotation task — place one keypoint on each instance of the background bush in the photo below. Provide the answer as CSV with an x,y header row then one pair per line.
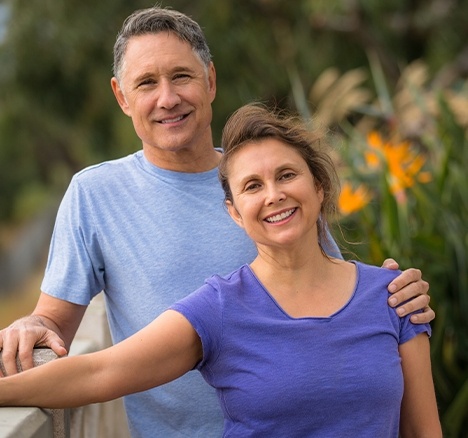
x,y
387,78
403,168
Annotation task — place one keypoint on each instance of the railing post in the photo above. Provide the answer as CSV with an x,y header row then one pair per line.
x,y
60,417
92,421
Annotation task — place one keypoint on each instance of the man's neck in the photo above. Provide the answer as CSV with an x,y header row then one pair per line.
x,y
184,161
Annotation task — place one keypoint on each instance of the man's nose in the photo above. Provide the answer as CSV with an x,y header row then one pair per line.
x,y
168,97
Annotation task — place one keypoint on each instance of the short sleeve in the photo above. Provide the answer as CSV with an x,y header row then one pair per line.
x,y
408,330
203,309
74,270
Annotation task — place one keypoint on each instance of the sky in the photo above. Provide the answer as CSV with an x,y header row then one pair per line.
x,y
3,21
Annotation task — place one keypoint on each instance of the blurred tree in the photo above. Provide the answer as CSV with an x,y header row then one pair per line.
x,y
264,49
57,111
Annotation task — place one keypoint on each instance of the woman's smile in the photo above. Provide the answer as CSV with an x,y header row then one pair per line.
x,y
279,217
275,197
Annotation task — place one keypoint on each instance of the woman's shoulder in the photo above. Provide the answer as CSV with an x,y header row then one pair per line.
x,y
376,272
234,280
373,281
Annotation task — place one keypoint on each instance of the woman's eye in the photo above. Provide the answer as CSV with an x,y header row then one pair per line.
x,y
288,175
252,186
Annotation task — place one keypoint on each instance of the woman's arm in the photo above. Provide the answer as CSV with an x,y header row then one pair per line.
x,y
163,351
419,414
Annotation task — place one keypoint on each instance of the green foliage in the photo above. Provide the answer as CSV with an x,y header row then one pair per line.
x,y
57,111
409,148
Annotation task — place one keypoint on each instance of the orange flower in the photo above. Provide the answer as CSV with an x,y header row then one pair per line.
x,y
351,200
402,162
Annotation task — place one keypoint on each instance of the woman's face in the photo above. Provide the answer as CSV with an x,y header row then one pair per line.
x,y
275,197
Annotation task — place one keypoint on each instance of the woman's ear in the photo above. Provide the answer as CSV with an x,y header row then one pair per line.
x,y
319,190
321,194
236,217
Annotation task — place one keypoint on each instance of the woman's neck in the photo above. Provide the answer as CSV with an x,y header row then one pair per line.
x,y
306,286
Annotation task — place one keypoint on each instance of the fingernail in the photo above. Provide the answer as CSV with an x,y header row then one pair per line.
x,y
392,288
400,310
392,301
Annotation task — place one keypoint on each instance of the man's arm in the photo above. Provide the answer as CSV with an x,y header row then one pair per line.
x,y
410,293
52,324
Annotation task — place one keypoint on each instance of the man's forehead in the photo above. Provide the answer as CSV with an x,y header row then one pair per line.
x,y
164,46
157,39
152,53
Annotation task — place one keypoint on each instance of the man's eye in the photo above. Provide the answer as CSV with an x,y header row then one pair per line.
x,y
182,77
147,82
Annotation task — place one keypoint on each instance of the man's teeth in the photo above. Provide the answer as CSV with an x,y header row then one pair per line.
x,y
173,120
280,217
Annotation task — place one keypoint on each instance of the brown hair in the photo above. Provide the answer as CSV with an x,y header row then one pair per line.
x,y
255,122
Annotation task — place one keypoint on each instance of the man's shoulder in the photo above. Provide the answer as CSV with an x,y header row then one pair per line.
x,y
106,169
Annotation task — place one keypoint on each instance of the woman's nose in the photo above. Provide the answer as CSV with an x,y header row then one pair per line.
x,y
274,194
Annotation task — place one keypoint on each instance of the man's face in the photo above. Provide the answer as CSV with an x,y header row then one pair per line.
x,y
167,91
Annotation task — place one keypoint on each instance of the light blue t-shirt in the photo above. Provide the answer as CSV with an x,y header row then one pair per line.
x,y
147,237
278,376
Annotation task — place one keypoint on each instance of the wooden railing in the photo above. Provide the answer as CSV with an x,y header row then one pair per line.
x,y
93,421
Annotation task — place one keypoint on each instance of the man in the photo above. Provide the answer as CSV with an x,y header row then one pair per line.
x,y
147,229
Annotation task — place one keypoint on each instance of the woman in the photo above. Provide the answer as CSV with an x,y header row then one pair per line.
x,y
297,344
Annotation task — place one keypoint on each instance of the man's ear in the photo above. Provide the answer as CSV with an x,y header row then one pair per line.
x,y
119,95
212,81
236,217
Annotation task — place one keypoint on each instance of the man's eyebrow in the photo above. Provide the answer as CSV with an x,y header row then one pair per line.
x,y
182,68
174,70
142,77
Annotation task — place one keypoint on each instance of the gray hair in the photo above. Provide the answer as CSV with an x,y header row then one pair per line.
x,y
155,20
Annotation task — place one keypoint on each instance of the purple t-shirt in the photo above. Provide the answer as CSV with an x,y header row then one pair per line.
x,y
277,376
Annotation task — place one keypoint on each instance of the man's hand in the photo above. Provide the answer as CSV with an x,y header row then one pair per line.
x,y
21,337
409,285
53,324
